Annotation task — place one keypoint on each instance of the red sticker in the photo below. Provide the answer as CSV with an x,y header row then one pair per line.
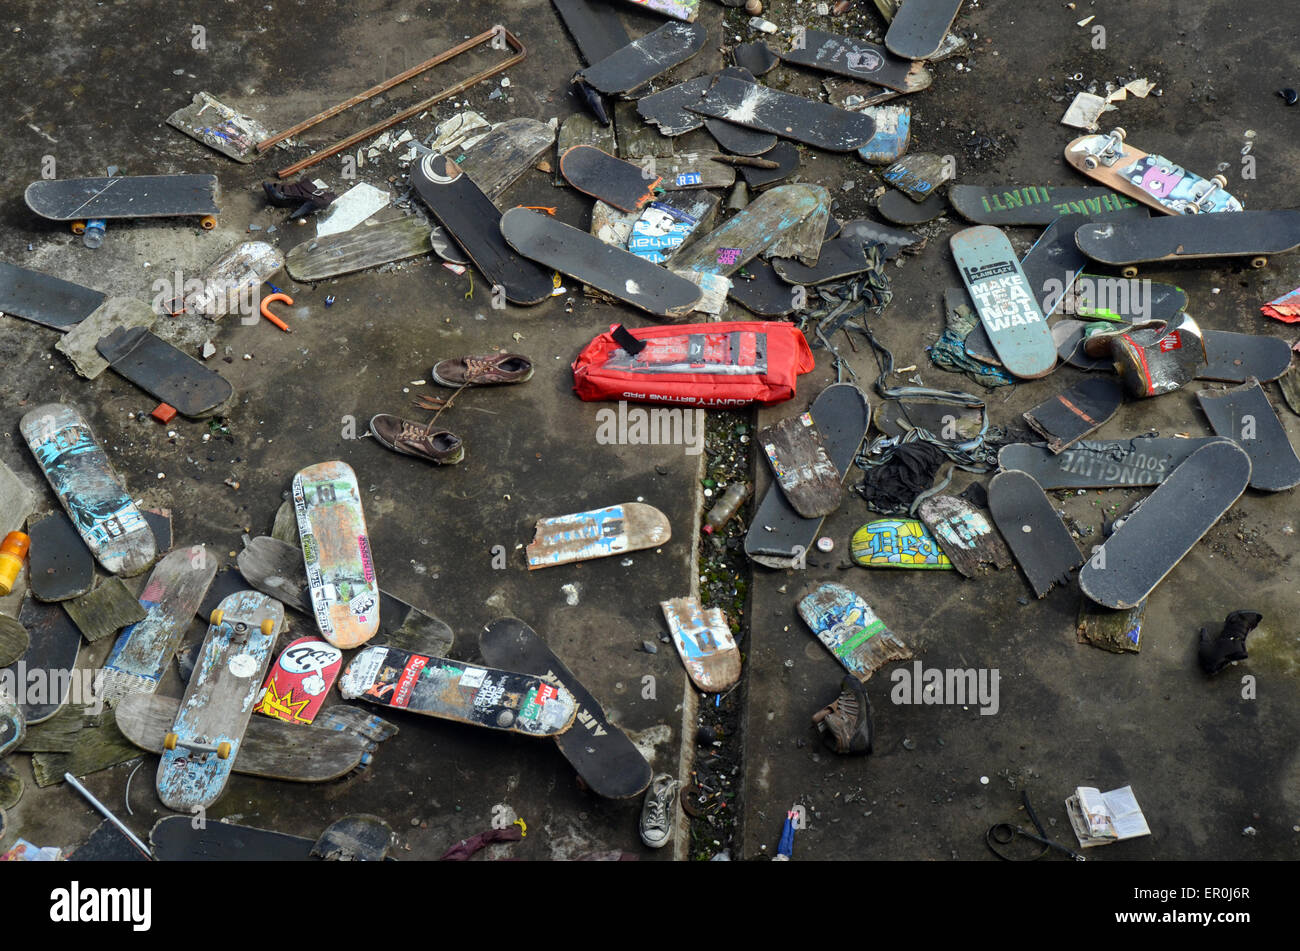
x,y
1172,342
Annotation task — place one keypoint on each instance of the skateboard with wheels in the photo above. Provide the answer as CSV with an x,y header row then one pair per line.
x,y
175,839
362,247
1033,531
1070,415
300,680
270,748
165,373
603,756
472,220
856,59
1169,523
897,543
588,259
45,300
200,751
1032,204
919,26
454,690
126,196
1243,414
1151,179
336,552
848,628
46,666
1246,234
750,232
640,61
598,174
1112,464
755,106
599,533
1054,261
704,642
59,565
1007,305
801,465
964,534
90,491
143,650
778,536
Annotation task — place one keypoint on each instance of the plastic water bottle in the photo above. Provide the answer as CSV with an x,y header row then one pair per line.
x,y
726,507
93,236
12,552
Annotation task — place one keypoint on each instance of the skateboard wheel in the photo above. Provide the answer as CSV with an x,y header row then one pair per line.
x,y
169,741
1220,181
1119,131
223,750
1258,262
1129,272
78,227
216,616
208,222
268,627
1090,162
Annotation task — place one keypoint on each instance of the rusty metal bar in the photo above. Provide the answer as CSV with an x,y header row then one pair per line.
x,y
316,157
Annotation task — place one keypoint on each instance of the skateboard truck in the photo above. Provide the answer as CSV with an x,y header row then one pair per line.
x,y
1197,206
1110,150
222,749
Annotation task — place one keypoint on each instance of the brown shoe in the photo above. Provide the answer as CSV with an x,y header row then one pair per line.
x,y
487,370
412,439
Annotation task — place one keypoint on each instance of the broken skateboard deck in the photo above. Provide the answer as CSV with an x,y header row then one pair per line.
x,y
200,751
919,26
778,536
690,170
1069,416
920,176
13,729
787,159
588,259
758,289
45,300
840,258
893,134
45,669
362,247
135,196
336,551
1235,358
1151,179
603,756
1113,464
90,491
473,221
614,530
1168,524
1249,234
643,59
894,240
621,184
897,543
1122,299
1119,632
1033,531
59,565
453,690
270,748
165,373
300,680
1244,415
142,652
703,640
752,231
1006,303
964,534
755,106
175,839
946,421
1032,204
510,148
595,26
848,628
801,466
1054,261
856,59
896,207
666,109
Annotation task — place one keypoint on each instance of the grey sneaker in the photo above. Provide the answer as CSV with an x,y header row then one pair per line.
x,y
659,814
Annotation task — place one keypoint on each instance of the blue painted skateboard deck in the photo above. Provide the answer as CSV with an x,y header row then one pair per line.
x,y
848,628
599,533
897,543
1152,179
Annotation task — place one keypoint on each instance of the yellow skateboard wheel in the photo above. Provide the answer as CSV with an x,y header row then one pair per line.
x,y
217,615
1130,272
223,750
208,222
169,741
78,227
268,627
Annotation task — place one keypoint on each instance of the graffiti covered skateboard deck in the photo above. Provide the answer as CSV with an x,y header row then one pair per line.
x,y
964,534
608,762
1032,204
599,533
801,466
1151,179
1033,531
750,232
857,59
300,680
897,543
848,628
90,491
704,642
454,690
336,551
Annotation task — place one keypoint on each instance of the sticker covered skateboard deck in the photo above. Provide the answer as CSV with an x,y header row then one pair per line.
x,y
1151,179
1168,524
848,628
1033,531
801,465
169,375
755,106
1110,464
59,564
200,752
897,543
599,533
90,491
336,551
454,690
704,642
1244,415
45,300
608,762
300,680
965,535
1032,204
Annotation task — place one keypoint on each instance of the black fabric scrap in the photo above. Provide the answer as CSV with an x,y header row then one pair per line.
x,y
891,487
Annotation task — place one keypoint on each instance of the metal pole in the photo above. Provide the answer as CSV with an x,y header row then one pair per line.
x,y
72,781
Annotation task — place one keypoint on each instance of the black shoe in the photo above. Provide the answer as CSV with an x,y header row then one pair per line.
x,y
304,194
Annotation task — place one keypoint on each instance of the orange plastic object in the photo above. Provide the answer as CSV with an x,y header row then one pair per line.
x,y
271,299
12,552
163,413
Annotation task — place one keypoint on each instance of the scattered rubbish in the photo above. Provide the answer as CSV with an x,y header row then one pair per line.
x,y
219,127
1119,632
1216,653
353,207
1102,818
1285,308
229,282
1289,96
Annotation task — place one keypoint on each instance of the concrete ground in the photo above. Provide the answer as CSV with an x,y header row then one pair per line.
x,y
93,88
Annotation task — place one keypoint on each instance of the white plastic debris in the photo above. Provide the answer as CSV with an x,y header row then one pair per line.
x,y
351,208
1085,111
